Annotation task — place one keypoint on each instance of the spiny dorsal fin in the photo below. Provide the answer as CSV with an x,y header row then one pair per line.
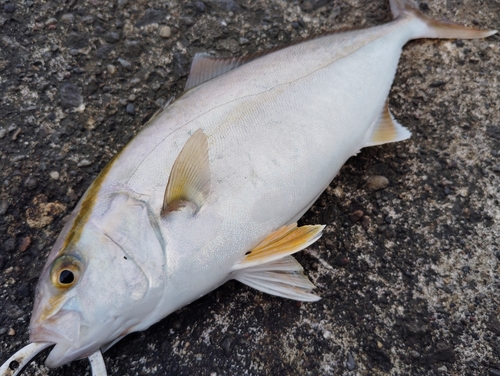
x,y
283,242
284,277
189,180
387,129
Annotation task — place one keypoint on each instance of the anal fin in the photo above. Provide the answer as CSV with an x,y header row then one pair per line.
x,y
283,277
386,129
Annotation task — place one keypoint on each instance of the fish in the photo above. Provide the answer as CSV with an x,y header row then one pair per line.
x,y
213,186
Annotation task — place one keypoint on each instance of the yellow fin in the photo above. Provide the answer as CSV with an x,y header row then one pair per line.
x,y
435,28
189,180
386,129
283,242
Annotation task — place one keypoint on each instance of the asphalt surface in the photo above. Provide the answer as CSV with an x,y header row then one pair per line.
x,y
408,267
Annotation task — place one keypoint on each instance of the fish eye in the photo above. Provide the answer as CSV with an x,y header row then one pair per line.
x,y
66,277
65,271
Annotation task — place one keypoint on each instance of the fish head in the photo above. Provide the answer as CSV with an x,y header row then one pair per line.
x,y
89,295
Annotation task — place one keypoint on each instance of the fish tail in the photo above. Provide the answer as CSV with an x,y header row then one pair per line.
x,y
426,27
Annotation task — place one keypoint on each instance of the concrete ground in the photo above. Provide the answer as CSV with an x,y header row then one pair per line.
x,y
408,267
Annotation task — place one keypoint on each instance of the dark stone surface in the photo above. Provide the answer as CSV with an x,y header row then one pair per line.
x,y
396,297
70,96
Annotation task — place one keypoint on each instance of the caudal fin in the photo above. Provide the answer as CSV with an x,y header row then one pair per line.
x,y
430,28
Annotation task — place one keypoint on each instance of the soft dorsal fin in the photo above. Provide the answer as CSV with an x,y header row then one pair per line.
x,y
386,129
284,277
205,66
283,242
189,180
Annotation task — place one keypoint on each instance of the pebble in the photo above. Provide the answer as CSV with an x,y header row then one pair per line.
x,y
15,134
51,21
356,216
377,182
229,45
226,345
112,37
133,48
84,163
111,69
30,183
342,261
67,18
11,332
165,32
200,7
351,364
160,102
131,97
151,16
365,222
130,109
225,5
9,245
25,244
54,175
104,51
9,8
494,372
3,132
135,81
4,206
70,96
496,168
243,41
125,63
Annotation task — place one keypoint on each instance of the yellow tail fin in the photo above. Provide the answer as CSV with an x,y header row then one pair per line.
x,y
431,28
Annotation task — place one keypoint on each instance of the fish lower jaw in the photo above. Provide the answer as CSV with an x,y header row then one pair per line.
x,y
63,353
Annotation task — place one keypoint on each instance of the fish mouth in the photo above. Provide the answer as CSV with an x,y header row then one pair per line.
x,y
64,330
63,327
63,352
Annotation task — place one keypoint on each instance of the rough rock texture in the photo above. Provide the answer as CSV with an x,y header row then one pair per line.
x,y
411,286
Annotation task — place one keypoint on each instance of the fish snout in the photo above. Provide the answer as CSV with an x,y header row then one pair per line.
x,y
64,326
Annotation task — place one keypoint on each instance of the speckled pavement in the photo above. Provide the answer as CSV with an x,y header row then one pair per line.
x,y
408,267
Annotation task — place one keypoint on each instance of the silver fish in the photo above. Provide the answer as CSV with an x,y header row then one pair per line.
x,y
211,189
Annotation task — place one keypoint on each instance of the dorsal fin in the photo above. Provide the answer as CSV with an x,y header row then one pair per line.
x,y
387,129
205,67
189,180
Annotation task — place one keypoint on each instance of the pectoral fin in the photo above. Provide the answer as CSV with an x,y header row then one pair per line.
x,y
386,129
283,277
189,180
